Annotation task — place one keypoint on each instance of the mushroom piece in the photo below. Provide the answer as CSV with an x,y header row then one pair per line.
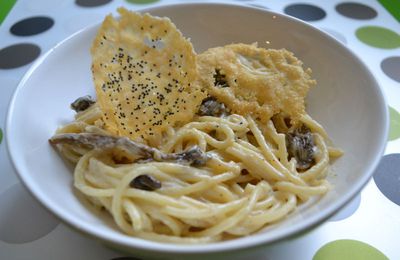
x,y
194,156
300,145
220,79
211,107
142,153
145,182
82,103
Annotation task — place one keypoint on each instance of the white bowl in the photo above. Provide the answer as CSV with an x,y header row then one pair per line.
x,y
347,101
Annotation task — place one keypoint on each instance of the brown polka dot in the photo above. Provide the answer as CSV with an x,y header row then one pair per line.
x,y
391,67
22,218
18,55
32,26
387,177
92,3
356,11
305,12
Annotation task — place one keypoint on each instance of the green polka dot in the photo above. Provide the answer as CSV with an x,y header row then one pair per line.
x,y
1,135
394,131
378,37
142,1
347,249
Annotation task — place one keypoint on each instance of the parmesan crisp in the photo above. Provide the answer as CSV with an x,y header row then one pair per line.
x,y
145,75
255,81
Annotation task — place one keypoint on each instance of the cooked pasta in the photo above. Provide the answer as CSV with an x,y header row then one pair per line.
x,y
247,183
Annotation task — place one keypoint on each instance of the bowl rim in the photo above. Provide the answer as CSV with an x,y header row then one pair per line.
x,y
217,247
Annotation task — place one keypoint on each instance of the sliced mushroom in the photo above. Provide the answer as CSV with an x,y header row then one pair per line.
x,y
93,141
142,153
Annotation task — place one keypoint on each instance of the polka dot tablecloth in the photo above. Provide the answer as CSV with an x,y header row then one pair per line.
x,y
367,228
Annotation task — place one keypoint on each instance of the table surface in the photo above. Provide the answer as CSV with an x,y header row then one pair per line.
x,y
367,228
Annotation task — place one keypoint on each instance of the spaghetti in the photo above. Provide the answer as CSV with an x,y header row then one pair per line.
x,y
247,183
